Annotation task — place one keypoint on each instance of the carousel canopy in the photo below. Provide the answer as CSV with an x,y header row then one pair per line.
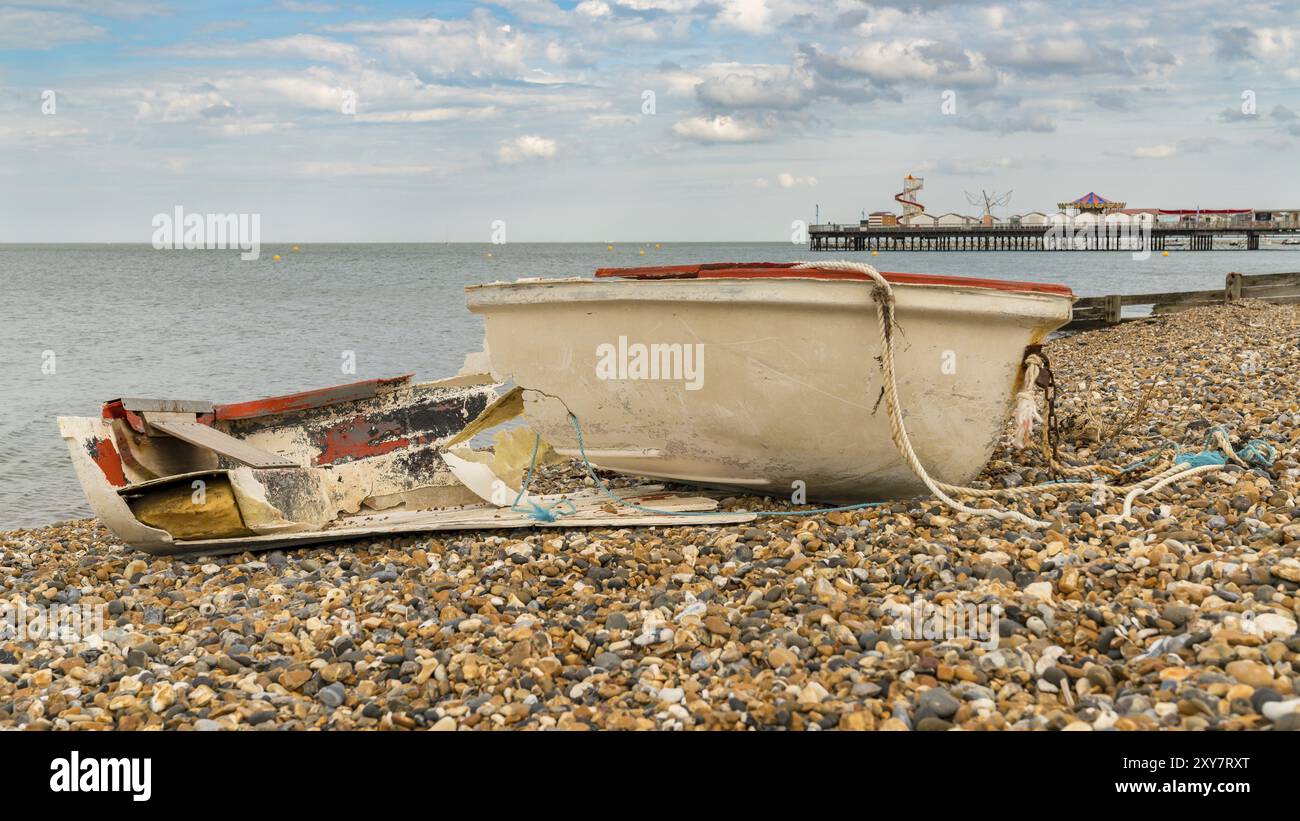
x,y
1091,201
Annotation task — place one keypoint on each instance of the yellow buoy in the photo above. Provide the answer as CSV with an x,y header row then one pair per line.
x,y
875,254
642,252
1164,253
276,257
609,247
657,246
295,249
489,253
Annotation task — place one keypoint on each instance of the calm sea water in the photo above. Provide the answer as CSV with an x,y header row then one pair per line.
x,y
126,320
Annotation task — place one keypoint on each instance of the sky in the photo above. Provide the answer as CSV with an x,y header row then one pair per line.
x,y
643,120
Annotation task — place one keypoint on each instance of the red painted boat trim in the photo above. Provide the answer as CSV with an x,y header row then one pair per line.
x,y
783,270
109,461
306,400
115,410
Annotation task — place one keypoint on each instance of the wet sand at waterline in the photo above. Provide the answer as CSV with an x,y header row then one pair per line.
x,y
1183,617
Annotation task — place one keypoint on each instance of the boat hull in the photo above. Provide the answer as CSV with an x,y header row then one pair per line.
x,y
786,396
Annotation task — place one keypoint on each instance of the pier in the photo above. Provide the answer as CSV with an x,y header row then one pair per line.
x,y
1008,237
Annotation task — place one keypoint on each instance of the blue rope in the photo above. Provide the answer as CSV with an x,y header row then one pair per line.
x,y
1256,451
536,511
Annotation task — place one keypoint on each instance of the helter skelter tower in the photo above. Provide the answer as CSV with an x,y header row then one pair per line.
x,y
911,207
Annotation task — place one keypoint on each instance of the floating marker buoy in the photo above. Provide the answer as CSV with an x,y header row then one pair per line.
x,y
642,252
874,254
657,246
276,257
295,249
489,253
1164,253
609,247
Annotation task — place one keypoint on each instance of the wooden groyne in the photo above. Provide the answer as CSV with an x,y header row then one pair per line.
x,y
1096,311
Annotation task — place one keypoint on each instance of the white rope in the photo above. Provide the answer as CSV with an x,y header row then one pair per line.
x,y
1027,405
1160,485
884,297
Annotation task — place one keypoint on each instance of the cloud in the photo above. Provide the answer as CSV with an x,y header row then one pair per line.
x,y
1283,114
1236,115
733,86
106,8
1048,55
1164,151
752,16
428,115
304,46
786,180
38,30
719,129
527,147
481,47
1233,43
1155,152
1114,99
913,61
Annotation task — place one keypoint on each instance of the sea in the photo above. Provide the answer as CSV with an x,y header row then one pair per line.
x,y
81,324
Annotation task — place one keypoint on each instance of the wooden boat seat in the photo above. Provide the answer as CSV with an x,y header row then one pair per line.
x,y
206,436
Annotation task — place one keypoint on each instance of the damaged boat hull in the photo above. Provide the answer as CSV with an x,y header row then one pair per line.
x,y
366,459
786,393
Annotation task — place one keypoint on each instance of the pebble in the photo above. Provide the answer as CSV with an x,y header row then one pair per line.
x,y
1250,672
331,696
939,702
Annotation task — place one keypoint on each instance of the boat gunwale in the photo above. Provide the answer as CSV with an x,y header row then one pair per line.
x,y
791,270
667,290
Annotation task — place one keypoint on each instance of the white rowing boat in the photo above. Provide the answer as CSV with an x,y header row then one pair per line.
x,y
764,377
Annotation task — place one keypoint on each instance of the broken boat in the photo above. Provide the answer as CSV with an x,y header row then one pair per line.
x,y
371,458
766,377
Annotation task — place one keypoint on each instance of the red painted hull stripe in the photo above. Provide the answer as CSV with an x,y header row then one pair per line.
x,y
783,270
306,400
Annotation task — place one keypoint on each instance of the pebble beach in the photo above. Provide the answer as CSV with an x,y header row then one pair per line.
x,y
1182,616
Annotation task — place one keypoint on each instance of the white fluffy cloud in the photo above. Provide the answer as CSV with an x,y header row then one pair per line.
x,y
1155,152
734,85
527,147
719,129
